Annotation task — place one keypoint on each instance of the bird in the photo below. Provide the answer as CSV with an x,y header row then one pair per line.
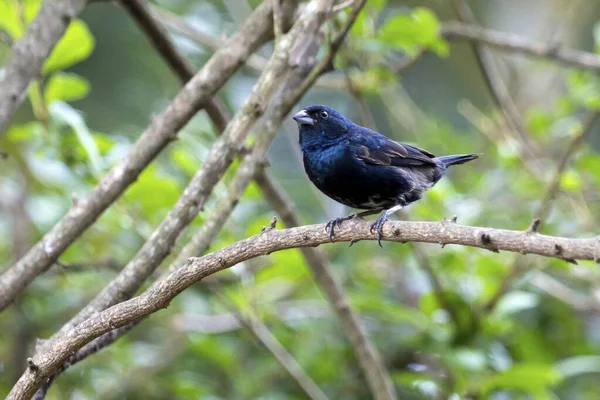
x,y
364,169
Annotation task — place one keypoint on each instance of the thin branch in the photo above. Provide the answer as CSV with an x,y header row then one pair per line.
x,y
516,43
252,165
576,141
496,85
161,131
545,206
270,342
162,293
142,15
30,52
214,166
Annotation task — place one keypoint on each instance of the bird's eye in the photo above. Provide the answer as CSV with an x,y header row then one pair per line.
x,y
324,114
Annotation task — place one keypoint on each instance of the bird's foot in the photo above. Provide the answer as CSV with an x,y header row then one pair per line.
x,y
336,223
378,226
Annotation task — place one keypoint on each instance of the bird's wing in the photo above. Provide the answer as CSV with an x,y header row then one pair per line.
x,y
375,148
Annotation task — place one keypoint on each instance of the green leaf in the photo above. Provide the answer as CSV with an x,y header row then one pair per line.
x,y
64,113
154,194
75,46
571,181
66,87
9,19
529,378
414,32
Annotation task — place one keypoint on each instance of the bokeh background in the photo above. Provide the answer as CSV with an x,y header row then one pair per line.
x,y
539,339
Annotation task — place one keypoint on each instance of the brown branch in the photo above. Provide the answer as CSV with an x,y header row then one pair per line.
x,y
554,185
89,349
161,131
162,293
30,52
253,165
270,342
496,85
512,42
214,166
518,264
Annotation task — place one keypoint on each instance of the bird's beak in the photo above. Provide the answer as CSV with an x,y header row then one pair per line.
x,y
302,118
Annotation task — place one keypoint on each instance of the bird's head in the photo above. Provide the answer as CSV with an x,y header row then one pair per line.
x,y
319,123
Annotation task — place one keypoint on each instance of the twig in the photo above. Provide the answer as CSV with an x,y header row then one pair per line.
x,y
544,207
496,85
365,352
30,52
162,293
576,141
198,190
516,43
267,339
161,131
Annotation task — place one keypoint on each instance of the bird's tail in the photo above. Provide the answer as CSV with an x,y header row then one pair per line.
x,y
457,159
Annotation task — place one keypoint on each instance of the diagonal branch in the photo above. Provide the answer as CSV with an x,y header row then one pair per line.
x,y
162,293
497,87
544,206
267,339
30,52
515,43
252,166
194,197
163,129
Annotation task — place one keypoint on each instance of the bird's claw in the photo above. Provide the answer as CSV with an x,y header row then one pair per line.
x,y
336,223
378,226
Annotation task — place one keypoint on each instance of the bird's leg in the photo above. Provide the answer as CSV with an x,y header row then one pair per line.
x,y
337,222
379,222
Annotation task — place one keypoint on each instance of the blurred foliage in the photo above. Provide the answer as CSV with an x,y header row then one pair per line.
x,y
102,84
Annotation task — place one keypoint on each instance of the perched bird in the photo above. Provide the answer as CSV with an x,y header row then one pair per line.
x,y
364,169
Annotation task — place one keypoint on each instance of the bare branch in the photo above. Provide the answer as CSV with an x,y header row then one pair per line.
x,y
161,131
162,293
554,185
266,337
518,264
214,166
89,349
30,52
515,43
497,87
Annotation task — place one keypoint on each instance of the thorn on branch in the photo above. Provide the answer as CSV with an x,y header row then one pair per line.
x,y
31,365
271,226
486,240
533,228
558,249
571,261
353,241
442,244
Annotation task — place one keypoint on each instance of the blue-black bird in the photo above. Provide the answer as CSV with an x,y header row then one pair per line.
x,y
364,169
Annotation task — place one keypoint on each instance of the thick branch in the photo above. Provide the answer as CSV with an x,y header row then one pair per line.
x,y
161,131
160,295
215,164
30,52
512,42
